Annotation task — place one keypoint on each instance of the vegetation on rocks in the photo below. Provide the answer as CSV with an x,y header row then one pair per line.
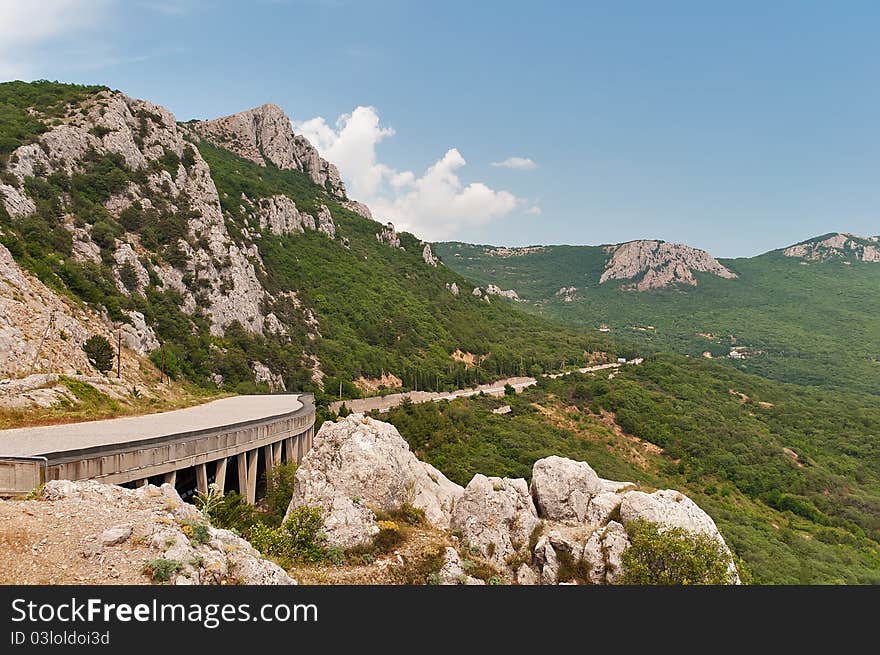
x,y
673,557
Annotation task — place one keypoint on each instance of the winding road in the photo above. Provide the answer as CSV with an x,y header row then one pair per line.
x,y
384,403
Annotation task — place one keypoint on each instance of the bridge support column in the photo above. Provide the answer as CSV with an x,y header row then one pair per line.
x,y
289,452
220,475
252,457
170,478
300,449
268,459
242,474
276,452
201,478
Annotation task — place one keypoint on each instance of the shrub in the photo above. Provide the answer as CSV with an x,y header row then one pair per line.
x,y
509,390
389,536
673,557
279,490
161,570
196,531
299,539
100,352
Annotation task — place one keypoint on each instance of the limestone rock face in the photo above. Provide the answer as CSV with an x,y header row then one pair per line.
x,y
126,257
510,294
325,222
657,264
497,517
263,374
266,131
452,287
358,208
279,215
30,311
562,488
837,246
359,464
388,236
428,256
16,203
671,509
137,335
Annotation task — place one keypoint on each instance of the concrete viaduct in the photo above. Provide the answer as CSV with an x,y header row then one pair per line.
x,y
229,442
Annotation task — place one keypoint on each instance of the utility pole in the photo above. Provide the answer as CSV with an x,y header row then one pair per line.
x,y
163,364
119,353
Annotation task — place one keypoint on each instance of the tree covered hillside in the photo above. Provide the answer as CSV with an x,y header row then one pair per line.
x,y
790,474
111,202
795,320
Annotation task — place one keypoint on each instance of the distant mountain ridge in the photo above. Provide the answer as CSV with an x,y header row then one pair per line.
x,y
837,245
805,313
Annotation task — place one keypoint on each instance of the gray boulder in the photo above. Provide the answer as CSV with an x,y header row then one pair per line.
x,y
358,466
497,517
562,488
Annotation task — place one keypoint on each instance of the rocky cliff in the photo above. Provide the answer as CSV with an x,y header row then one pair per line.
x,y
265,134
657,264
360,467
837,246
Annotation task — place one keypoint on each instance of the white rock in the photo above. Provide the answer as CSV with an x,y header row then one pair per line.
x,y
115,535
497,517
562,488
357,464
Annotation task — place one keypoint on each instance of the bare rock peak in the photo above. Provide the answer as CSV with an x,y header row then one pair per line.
x,y
266,133
838,245
658,264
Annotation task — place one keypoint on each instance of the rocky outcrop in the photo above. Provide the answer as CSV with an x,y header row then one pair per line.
x,y
41,331
359,466
428,256
452,287
452,572
358,208
585,519
510,294
325,222
264,375
149,523
279,215
567,293
265,133
657,264
137,335
837,246
496,516
388,236
131,276
563,488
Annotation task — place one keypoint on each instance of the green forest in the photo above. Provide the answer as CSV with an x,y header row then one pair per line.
x,y
790,474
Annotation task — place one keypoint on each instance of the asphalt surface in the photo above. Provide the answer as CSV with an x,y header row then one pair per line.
x,y
24,442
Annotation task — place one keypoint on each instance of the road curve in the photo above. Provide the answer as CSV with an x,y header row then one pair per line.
x,y
27,442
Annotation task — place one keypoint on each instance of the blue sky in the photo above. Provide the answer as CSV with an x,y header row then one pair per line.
x,y
735,127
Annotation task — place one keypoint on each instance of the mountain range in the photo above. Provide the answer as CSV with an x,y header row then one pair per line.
x,y
805,313
227,255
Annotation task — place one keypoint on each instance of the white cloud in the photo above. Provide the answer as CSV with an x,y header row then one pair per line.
x,y
516,163
434,205
25,27
534,210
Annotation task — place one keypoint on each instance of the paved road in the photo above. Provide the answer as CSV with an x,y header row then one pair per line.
x,y
24,442
384,403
